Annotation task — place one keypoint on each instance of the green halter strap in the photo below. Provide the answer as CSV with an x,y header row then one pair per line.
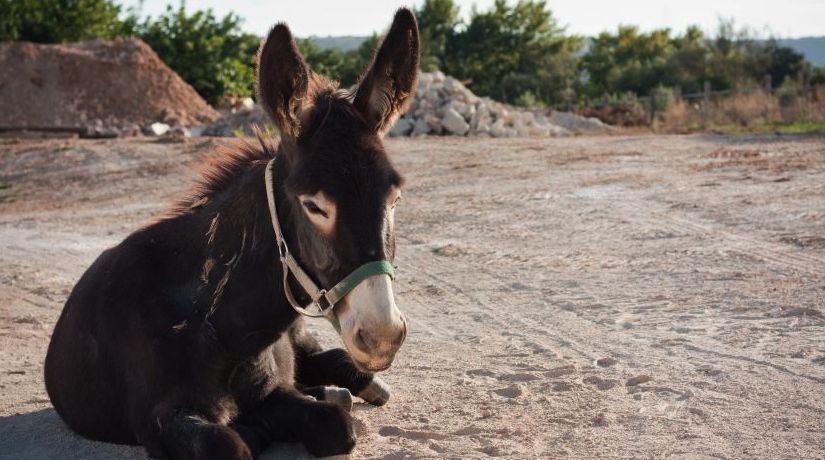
x,y
322,298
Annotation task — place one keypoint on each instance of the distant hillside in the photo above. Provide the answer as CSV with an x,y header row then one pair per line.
x,y
812,47
345,43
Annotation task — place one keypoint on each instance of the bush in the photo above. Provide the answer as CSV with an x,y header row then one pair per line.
x,y
529,100
214,56
57,21
662,98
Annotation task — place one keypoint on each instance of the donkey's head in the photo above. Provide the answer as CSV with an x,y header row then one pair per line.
x,y
341,187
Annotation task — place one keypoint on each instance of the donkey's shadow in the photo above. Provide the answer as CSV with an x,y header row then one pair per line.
x,y
41,435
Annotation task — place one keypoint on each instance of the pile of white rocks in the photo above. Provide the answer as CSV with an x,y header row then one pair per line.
x,y
444,106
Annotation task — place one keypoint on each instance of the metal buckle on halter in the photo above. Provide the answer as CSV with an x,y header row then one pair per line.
x,y
323,301
283,250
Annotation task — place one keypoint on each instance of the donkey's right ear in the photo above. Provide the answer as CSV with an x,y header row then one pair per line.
x,y
283,81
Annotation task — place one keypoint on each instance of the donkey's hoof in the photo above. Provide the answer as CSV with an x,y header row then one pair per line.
x,y
339,396
376,393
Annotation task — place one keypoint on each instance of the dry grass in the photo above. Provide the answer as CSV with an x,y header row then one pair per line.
x,y
746,112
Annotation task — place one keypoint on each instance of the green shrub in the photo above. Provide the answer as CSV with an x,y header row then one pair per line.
x,y
57,21
213,55
529,100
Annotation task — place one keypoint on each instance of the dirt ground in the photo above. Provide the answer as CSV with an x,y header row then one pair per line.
x,y
651,296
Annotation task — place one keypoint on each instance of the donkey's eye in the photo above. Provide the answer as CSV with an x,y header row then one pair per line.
x,y
314,209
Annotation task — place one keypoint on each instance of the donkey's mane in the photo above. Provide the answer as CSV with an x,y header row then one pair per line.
x,y
232,160
222,169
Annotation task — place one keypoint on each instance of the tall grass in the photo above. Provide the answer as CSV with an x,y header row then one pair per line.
x,y
755,111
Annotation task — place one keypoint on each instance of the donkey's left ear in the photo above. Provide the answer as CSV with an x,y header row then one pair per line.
x,y
388,87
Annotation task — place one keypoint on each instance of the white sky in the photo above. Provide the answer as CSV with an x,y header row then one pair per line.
x,y
784,19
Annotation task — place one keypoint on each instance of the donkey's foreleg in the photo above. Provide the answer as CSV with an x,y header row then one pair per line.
x,y
335,367
179,433
322,427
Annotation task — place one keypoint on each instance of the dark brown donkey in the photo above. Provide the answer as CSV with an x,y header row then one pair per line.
x,y
182,338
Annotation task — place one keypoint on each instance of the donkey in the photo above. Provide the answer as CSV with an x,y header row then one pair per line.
x,y
187,336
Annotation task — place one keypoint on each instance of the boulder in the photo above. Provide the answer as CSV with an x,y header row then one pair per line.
x,y
454,123
421,127
402,127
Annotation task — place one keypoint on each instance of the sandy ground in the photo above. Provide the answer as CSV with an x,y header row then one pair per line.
x,y
585,297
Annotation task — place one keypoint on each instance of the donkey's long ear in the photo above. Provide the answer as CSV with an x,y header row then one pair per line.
x,y
283,81
387,88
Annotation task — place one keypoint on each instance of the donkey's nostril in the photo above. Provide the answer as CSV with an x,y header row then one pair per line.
x,y
364,340
401,335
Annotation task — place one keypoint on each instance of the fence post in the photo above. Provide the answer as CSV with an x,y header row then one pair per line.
x,y
806,85
768,83
677,93
706,103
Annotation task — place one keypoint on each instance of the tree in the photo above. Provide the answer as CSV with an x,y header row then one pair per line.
x,y
511,50
332,63
57,21
629,61
437,20
213,55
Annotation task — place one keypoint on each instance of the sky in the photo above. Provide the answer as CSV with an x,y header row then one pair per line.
x,y
782,19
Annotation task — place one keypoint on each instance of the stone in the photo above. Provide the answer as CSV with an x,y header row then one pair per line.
x,y
402,127
454,122
521,127
434,123
421,127
498,129
179,132
157,129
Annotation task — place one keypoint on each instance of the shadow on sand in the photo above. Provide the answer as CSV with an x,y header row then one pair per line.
x,y
42,435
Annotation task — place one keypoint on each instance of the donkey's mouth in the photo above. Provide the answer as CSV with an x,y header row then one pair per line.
x,y
367,368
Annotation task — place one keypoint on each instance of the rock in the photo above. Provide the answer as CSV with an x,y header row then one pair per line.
x,y
197,130
101,132
421,127
521,127
573,122
156,129
402,127
434,123
247,104
179,132
498,129
454,122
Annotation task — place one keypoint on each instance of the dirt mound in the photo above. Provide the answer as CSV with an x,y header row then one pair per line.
x,y
121,85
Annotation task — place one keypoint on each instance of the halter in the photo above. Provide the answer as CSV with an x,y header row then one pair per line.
x,y
323,299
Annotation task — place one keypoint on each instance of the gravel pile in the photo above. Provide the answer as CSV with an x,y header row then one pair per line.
x,y
444,106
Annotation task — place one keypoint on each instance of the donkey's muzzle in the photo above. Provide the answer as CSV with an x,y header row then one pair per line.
x,y
380,345
372,326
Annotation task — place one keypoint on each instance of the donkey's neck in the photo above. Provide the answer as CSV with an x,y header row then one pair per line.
x,y
246,305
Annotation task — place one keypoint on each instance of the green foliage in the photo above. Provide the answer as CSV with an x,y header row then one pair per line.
x,y
529,100
437,20
57,21
510,50
633,61
332,63
213,55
